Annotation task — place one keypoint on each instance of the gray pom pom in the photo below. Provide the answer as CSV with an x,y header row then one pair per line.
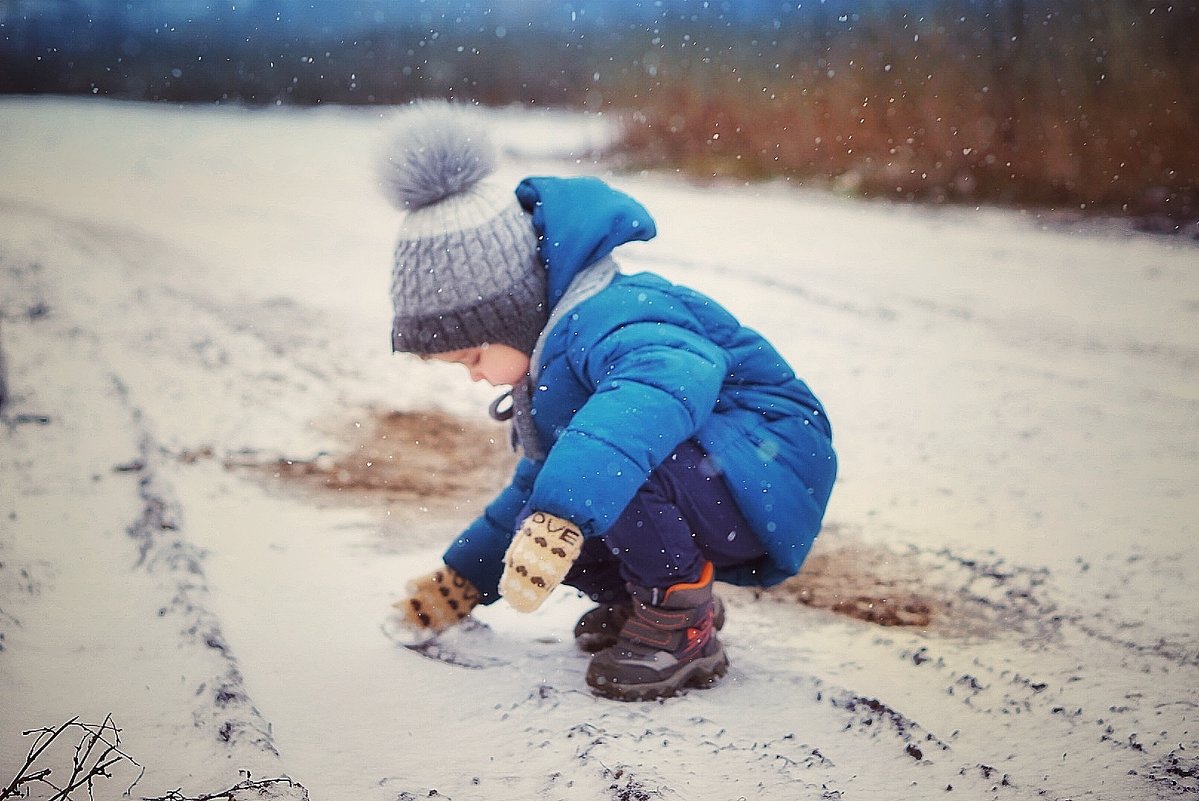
x,y
439,150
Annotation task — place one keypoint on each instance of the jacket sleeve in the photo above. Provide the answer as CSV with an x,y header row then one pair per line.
x,y
478,552
654,384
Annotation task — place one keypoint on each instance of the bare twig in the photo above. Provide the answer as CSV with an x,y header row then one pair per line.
x,y
230,793
97,752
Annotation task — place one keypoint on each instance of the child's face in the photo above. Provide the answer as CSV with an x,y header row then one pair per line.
x,y
495,364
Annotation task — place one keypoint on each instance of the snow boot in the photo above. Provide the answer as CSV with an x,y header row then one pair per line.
x,y
600,626
668,643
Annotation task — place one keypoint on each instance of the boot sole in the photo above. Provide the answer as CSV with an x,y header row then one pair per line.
x,y
700,674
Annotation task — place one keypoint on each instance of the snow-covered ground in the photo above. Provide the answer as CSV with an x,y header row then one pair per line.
x,y
182,291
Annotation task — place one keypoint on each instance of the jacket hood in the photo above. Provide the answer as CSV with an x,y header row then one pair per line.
x,y
578,222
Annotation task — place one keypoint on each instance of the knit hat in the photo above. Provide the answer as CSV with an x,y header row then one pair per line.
x,y
466,267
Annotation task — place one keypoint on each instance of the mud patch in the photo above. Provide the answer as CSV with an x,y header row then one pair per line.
x,y
864,582
918,588
424,455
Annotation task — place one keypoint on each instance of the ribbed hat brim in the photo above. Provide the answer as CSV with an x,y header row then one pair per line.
x,y
512,317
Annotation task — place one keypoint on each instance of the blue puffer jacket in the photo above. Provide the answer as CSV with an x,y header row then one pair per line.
x,y
636,369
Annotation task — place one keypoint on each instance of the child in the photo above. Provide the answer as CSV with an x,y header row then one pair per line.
x,y
664,444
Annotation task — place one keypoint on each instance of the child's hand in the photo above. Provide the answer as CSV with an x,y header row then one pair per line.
x,y
538,559
437,601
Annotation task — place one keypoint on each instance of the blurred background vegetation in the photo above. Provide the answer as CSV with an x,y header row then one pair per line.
x,y
1074,105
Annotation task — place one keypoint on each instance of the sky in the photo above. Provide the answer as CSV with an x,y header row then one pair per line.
x,y
331,15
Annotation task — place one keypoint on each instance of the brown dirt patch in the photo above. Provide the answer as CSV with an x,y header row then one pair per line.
x,y
425,455
977,595
864,582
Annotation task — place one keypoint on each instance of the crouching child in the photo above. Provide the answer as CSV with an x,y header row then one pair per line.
x,y
665,446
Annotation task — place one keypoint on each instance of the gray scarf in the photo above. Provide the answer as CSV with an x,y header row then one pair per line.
x,y
519,410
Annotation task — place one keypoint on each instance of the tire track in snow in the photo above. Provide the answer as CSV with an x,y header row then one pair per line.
x,y
72,373
999,680
162,547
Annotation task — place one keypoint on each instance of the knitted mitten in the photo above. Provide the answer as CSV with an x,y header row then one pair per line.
x,y
538,559
437,601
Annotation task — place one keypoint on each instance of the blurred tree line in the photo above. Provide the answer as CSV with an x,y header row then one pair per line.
x,y
1071,104
1084,105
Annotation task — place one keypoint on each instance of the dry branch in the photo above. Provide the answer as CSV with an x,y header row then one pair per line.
x,y
96,753
231,794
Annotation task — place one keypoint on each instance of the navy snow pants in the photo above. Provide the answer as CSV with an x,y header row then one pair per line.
x,y
682,517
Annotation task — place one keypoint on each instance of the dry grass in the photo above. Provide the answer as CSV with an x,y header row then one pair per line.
x,y
1081,110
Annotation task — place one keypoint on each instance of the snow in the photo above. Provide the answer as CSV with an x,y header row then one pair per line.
x,y
1015,407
